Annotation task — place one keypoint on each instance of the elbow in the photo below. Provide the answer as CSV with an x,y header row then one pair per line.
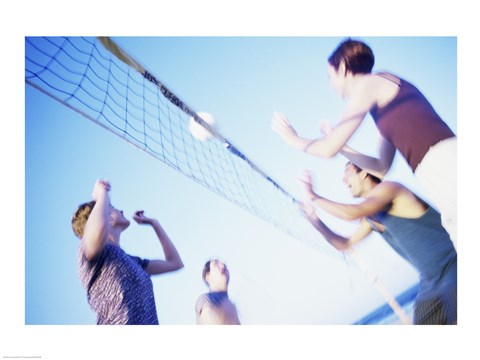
x,y
352,213
343,248
179,265
350,216
175,262
325,153
332,149
320,149
341,245
330,153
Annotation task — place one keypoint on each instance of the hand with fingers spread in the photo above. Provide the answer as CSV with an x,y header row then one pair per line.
x,y
306,179
172,260
282,127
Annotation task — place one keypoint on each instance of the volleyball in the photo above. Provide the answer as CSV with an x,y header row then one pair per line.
x,y
197,130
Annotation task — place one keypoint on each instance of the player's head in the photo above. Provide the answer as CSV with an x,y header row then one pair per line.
x,y
117,219
80,217
356,56
358,180
215,274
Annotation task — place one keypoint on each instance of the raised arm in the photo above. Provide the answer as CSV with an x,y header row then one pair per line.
x,y
339,242
172,260
325,147
379,198
97,226
375,166
360,102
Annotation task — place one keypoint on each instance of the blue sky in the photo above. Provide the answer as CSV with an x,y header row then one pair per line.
x,y
241,81
271,272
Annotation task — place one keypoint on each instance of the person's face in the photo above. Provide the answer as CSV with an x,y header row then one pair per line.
x,y
353,180
337,79
218,274
118,219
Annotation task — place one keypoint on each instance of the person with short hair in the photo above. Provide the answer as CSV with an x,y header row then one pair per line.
x,y
409,225
118,285
215,307
404,117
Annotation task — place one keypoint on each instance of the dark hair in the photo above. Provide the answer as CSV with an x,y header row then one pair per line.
x,y
356,55
206,270
80,217
372,177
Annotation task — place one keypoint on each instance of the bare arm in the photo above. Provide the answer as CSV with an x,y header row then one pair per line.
x,y
325,147
339,242
96,230
368,207
360,102
379,198
375,166
172,260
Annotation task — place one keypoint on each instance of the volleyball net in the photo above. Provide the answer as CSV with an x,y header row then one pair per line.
x,y
100,81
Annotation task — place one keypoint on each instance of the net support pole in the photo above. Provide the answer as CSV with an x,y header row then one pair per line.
x,y
389,298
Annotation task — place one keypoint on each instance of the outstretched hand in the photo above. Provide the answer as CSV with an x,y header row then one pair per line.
x,y
282,127
140,218
306,179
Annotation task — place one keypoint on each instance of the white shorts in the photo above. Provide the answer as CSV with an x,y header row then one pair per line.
x,y
437,173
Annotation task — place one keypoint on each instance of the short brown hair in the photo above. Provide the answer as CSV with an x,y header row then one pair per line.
x,y
356,55
80,217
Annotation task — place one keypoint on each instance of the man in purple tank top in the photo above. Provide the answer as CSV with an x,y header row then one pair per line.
x,y
406,120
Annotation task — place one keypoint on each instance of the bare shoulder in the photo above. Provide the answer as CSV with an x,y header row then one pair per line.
x,y
389,186
202,299
396,186
365,82
386,87
368,89
398,191
387,76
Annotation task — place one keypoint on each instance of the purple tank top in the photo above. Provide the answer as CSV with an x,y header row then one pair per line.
x,y
410,123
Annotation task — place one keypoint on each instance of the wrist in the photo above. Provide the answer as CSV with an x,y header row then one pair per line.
x,y
101,197
154,222
295,141
306,144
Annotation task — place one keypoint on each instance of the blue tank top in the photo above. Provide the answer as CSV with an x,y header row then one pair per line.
x,y
422,241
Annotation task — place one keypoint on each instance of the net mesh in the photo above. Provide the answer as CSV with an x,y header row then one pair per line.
x,y
95,78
